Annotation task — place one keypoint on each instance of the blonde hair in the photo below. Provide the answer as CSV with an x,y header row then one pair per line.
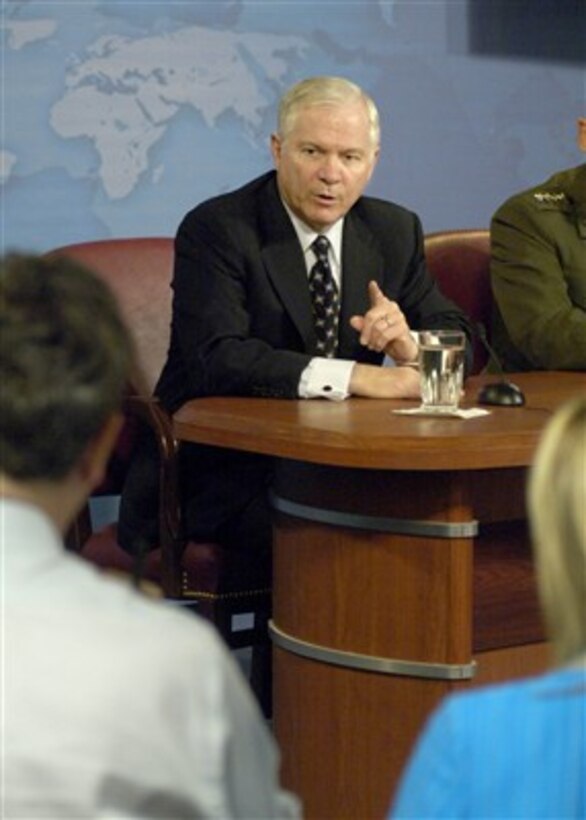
x,y
325,91
557,511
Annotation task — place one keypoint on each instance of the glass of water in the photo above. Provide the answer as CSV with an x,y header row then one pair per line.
x,y
441,369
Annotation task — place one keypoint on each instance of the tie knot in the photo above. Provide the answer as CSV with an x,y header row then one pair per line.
x,y
320,247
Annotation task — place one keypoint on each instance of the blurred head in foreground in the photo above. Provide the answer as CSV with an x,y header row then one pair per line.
x,y
65,355
557,509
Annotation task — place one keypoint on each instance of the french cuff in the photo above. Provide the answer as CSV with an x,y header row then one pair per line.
x,y
326,379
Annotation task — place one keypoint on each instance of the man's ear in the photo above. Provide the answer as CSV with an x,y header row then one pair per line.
x,y
93,463
276,149
375,156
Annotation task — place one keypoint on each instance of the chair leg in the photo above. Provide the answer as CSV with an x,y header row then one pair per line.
x,y
261,676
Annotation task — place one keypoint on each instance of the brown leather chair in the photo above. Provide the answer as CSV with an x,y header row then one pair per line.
x,y
218,583
460,262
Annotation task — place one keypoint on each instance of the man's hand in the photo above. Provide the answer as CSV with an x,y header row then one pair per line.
x,y
375,382
384,328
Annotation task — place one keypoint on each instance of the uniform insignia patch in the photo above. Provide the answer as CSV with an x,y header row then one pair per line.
x,y
547,197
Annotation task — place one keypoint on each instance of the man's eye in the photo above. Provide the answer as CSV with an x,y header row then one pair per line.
x,y
309,151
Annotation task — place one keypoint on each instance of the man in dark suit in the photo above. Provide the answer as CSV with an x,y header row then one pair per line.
x,y
244,322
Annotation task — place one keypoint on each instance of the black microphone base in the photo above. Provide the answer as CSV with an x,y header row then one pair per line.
x,y
501,394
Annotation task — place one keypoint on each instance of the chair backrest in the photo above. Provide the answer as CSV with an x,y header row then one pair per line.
x,y
460,262
139,272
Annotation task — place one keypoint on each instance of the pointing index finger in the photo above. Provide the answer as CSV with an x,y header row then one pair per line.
x,y
375,293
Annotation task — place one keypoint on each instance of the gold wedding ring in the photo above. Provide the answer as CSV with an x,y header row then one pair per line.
x,y
388,319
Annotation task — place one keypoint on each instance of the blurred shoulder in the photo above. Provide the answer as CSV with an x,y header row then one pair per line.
x,y
117,613
539,693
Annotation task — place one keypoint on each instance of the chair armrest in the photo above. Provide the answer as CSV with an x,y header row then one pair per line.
x,y
149,411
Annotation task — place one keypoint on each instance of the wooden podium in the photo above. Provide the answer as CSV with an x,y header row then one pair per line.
x,y
402,571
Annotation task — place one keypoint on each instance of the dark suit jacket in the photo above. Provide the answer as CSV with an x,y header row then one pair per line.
x,y
242,318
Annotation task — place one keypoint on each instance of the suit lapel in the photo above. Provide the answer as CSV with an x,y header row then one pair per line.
x,y
361,262
283,258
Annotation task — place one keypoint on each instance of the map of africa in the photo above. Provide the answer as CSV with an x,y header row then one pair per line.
x,y
133,117
119,116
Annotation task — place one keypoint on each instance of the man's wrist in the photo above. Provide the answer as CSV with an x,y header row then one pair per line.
x,y
372,381
410,356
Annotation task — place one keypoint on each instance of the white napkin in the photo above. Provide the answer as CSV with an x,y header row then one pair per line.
x,y
461,413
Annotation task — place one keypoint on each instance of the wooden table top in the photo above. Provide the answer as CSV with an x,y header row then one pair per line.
x,y
365,433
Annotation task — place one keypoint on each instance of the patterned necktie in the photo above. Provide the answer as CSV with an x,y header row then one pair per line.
x,y
326,300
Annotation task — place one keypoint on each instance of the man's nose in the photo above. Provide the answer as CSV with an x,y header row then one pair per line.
x,y
329,170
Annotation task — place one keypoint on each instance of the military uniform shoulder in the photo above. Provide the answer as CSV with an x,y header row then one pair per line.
x,y
553,194
557,187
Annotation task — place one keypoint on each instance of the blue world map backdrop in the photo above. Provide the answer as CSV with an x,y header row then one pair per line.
x,y
117,117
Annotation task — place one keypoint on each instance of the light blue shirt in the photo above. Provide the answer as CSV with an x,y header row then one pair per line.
x,y
517,750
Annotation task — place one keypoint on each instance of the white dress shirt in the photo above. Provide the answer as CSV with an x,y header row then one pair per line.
x,y
323,378
118,706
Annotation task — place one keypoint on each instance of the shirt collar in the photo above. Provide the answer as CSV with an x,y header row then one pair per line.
x,y
307,235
